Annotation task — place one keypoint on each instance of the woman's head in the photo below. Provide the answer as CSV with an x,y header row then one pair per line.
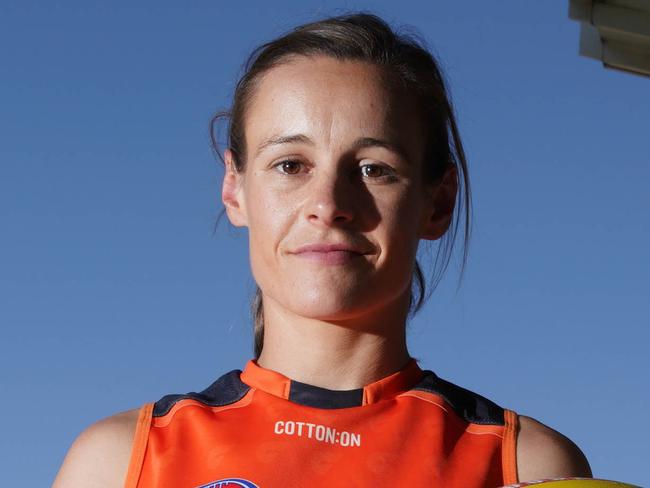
x,y
341,133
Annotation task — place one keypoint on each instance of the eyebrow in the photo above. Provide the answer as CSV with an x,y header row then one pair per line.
x,y
361,142
290,139
390,146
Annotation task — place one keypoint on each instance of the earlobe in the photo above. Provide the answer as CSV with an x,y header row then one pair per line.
x,y
441,203
232,194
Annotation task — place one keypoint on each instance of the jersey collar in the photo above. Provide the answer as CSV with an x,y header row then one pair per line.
x,y
279,385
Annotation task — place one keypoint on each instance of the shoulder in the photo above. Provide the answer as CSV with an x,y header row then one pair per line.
x,y
227,389
99,457
468,405
545,453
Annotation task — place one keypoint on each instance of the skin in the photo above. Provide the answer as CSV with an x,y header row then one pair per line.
x,y
334,326
350,318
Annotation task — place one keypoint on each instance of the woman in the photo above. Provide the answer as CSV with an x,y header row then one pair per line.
x,y
343,154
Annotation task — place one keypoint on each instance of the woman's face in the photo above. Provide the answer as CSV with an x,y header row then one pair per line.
x,y
334,157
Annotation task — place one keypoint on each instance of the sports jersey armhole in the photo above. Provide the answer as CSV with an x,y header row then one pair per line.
x,y
509,448
139,445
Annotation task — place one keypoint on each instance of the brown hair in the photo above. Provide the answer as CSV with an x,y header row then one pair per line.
x,y
367,38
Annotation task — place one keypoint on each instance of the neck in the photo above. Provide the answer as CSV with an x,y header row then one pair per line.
x,y
341,355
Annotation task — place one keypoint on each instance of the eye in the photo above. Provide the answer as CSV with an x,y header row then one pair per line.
x,y
288,166
376,171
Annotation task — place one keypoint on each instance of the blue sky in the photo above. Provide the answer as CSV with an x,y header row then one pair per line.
x,y
114,290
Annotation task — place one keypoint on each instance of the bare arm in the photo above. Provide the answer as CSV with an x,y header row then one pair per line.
x,y
545,453
99,457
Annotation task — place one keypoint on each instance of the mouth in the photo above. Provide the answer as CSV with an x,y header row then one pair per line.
x,y
329,253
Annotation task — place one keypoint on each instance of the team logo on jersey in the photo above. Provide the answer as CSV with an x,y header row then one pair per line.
x,y
230,483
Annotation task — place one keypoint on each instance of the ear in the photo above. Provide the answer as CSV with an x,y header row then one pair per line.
x,y
232,194
440,205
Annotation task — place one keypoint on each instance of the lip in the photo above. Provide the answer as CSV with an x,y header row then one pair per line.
x,y
329,253
326,248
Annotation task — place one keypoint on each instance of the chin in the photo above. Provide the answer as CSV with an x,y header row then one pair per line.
x,y
333,306
336,299
325,308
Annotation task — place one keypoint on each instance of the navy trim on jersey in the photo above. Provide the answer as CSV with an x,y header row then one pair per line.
x,y
315,396
226,390
470,406
229,389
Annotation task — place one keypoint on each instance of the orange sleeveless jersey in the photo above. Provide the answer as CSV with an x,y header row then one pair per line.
x,y
258,428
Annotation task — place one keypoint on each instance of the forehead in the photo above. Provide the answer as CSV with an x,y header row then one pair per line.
x,y
332,102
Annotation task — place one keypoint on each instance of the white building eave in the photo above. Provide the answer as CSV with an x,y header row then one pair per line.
x,y
616,32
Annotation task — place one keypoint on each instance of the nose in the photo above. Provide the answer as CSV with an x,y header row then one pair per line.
x,y
329,200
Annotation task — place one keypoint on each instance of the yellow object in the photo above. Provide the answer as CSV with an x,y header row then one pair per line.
x,y
573,483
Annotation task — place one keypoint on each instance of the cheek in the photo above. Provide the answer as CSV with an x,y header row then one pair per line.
x,y
401,217
399,239
268,218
